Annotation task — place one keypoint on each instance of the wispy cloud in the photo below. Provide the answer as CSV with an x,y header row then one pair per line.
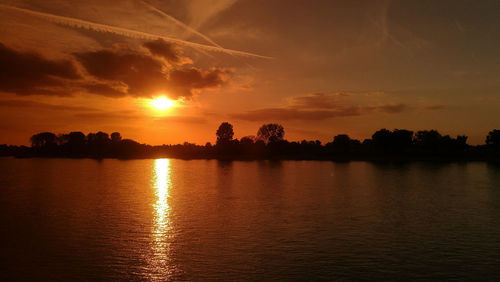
x,y
78,23
116,72
281,114
181,24
323,106
32,105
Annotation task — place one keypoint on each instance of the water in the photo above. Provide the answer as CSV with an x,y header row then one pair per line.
x,y
169,219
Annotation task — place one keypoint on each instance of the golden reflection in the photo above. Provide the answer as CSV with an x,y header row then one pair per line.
x,y
162,227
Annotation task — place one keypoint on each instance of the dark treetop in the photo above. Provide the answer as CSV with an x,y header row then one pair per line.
x,y
269,143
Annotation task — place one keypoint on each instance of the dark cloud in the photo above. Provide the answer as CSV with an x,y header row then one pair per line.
x,y
145,76
186,80
116,72
317,100
30,73
105,89
32,105
390,109
167,51
320,106
294,114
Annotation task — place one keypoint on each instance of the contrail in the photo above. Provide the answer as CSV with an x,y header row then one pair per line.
x,y
127,32
187,27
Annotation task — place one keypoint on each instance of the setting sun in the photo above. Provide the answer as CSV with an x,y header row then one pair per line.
x,y
162,103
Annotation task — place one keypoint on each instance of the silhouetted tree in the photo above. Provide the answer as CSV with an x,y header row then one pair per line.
x,y
271,132
102,137
225,132
62,139
428,139
448,144
398,143
91,138
98,144
76,138
247,140
73,143
493,138
259,149
116,137
461,141
341,140
382,139
342,143
402,139
43,140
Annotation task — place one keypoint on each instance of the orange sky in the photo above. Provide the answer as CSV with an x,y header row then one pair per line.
x,y
319,68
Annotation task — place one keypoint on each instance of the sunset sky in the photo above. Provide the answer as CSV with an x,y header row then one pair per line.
x,y
319,68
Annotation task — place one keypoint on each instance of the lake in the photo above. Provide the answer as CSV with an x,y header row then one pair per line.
x,y
170,219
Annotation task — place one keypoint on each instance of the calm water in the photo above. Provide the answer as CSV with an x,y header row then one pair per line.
x,y
167,219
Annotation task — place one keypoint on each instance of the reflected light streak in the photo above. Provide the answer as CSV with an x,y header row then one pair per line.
x,y
162,227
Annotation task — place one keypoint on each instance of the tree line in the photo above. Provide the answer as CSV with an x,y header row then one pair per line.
x,y
268,143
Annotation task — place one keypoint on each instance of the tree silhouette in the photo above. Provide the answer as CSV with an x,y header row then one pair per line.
x,y
382,139
493,138
116,137
102,137
269,144
76,138
43,140
428,139
224,133
91,138
73,143
402,139
271,132
343,143
247,140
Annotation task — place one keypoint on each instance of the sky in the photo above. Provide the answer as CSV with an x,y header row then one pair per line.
x,y
319,68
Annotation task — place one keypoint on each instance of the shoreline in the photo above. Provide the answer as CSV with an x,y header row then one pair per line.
x,y
392,159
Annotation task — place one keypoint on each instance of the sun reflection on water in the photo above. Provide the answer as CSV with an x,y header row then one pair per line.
x,y
162,228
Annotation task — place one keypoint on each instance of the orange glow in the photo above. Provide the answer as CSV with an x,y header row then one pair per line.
x,y
162,232
162,103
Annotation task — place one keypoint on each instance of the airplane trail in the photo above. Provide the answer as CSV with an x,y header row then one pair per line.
x,y
187,27
73,22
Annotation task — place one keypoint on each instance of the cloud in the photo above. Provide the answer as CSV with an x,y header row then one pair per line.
x,y
24,104
103,89
115,72
30,73
323,106
201,11
389,108
187,80
317,100
294,114
145,76
167,51
181,24
78,23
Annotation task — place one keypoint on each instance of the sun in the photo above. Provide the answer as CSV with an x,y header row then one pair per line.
x,y
162,103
